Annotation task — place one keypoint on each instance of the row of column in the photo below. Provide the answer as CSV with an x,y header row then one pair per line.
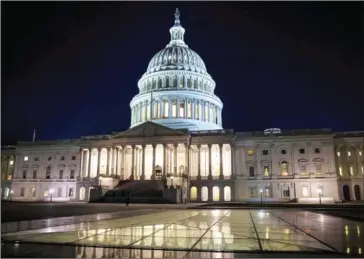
x,y
176,82
221,176
177,108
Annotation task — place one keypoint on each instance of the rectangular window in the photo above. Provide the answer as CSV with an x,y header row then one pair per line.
x,y
34,174
267,192
197,112
166,108
59,194
266,170
317,150
73,157
72,175
362,169
60,174
26,158
24,174
340,170
22,192
36,158
351,170
32,193
320,190
49,158
284,168
303,168
302,150
304,191
251,171
338,153
359,153
349,153
174,110
181,110
46,193
318,168
265,152
70,192
252,191
189,110
62,158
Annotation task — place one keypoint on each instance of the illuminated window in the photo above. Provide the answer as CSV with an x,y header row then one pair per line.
x,y
362,169
206,113
318,168
304,191
340,170
250,152
174,109
349,153
11,162
166,107
181,110
351,170
32,193
338,153
284,168
266,170
320,190
359,153
26,158
46,193
189,110
267,192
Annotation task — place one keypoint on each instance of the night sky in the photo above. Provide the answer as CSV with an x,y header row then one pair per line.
x,y
71,68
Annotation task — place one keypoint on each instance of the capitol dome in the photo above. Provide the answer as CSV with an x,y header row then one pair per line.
x,y
176,90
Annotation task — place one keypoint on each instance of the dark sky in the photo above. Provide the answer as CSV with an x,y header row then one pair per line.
x,y
71,68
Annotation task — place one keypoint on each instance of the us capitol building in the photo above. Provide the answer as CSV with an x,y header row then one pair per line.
x,y
176,137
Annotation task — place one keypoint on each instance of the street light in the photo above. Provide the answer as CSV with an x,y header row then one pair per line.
x,y
11,194
261,198
320,194
51,191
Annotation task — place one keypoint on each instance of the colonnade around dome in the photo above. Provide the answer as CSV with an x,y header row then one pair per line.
x,y
183,108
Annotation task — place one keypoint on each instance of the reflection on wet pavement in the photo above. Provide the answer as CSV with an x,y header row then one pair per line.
x,y
183,233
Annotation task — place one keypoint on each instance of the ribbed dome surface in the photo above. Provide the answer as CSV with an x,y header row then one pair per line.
x,y
176,57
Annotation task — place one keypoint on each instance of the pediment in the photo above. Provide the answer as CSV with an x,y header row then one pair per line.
x,y
149,129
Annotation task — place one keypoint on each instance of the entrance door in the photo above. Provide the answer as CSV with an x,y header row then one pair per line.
x,y
357,192
346,192
286,192
158,172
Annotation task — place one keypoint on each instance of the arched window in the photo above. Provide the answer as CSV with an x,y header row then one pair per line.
x,y
216,193
193,193
204,193
82,193
182,109
284,168
227,193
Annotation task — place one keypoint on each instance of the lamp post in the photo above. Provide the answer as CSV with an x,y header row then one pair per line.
x,y
51,192
320,194
11,195
261,198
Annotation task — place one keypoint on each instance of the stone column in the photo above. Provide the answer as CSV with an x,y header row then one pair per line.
x,y
81,165
186,109
143,158
117,162
132,161
175,158
187,166
89,162
199,162
164,160
112,161
221,161
210,158
153,164
98,161
122,164
232,169
108,161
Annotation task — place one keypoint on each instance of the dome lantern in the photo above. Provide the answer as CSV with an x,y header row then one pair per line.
x,y
177,31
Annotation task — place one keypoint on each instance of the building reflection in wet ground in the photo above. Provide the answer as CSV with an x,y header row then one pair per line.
x,y
187,232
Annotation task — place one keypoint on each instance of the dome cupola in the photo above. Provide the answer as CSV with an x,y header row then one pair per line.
x,y
176,90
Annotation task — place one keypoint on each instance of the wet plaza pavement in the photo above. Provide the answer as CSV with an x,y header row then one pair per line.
x,y
193,233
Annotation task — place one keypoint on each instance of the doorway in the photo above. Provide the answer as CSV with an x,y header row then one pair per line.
x,y
357,192
286,192
158,172
346,192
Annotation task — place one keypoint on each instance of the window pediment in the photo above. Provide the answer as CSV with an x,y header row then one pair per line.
x,y
318,160
302,160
